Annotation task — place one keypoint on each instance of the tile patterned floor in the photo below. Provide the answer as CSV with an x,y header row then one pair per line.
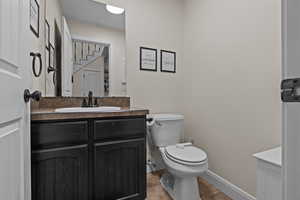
x,y
156,192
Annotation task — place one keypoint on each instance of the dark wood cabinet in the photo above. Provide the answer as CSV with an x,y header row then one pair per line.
x,y
119,129
58,134
119,170
60,174
96,159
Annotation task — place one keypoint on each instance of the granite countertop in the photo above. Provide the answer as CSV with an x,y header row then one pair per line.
x,y
44,114
44,109
272,156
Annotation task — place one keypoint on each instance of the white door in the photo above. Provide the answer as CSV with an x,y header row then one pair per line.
x,y
14,113
93,81
291,110
67,67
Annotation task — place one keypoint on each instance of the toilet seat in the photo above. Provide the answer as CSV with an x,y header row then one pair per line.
x,y
186,154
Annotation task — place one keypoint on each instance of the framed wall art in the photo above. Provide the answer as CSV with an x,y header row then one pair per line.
x,y
148,59
167,61
35,17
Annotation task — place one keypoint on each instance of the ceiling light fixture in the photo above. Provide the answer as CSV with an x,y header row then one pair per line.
x,y
114,10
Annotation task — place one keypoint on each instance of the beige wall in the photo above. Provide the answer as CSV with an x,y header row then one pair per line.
x,y
116,39
147,24
37,45
50,10
156,24
53,13
231,79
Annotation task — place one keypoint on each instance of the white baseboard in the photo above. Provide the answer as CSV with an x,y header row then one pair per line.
x,y
226,187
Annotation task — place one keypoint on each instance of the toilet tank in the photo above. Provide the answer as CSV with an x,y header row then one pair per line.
x,y
167,129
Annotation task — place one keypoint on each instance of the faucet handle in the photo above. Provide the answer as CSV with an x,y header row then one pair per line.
x,y
84,103
96,102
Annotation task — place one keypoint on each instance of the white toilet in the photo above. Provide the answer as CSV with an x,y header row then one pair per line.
x,y
184,162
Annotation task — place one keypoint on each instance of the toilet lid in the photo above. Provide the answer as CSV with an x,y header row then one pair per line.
x,y
186,154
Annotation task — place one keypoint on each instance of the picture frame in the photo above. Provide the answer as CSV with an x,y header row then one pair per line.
x,y
168,61
35,17
148,59
47,34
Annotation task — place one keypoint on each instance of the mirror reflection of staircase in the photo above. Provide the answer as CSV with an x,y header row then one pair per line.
x,y
90,58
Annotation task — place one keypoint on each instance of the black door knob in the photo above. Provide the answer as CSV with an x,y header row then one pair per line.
x,y
36,95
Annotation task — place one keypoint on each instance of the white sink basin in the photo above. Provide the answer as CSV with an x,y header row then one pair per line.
x,y
87,110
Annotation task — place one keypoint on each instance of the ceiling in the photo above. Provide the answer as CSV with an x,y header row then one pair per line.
x,y
92,12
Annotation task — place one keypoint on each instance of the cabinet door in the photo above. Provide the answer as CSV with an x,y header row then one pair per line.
x,y
60,174
120,170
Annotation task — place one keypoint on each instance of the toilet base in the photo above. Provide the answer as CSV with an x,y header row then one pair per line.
x,y
167,182
180,188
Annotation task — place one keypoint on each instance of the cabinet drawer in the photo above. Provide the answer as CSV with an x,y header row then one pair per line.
x,y
55,134
119,128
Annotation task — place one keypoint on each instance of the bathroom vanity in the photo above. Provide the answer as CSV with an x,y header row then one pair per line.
x,y
96,153
79,156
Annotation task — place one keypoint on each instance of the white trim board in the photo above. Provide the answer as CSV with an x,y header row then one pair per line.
x,y
226,187
87,39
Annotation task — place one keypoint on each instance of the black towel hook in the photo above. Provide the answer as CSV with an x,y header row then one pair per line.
x,y
39,56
